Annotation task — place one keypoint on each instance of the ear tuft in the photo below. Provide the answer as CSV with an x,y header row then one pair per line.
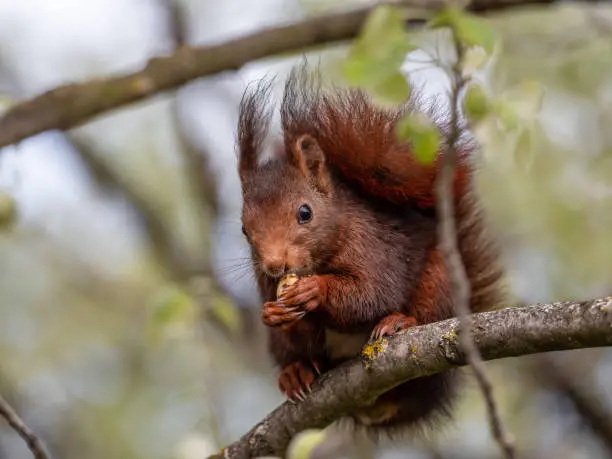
x,y
253,122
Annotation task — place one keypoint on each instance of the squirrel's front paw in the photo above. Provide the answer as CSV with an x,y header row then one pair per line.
x,y
306,294
277,314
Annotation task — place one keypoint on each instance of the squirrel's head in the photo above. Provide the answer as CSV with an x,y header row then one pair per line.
x,y
289,215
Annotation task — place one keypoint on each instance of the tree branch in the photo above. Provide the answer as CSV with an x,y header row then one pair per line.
x,y
588,405
72,105
426,350
17,424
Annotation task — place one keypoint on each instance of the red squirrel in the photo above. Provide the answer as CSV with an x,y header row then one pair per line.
x,y
347,207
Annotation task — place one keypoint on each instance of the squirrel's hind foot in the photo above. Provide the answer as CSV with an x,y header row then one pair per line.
x,y
297,377
392,324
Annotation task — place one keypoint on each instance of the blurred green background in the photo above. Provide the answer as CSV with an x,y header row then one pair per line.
x,y
129,322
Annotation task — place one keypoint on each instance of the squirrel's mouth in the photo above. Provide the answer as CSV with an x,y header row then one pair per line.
x,y
300,272
274,274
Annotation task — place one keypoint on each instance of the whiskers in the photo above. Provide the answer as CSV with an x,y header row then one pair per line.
x,y
235,269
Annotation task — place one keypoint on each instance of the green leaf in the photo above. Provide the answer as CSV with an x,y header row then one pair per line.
x,y
471,30
172,304
526,97
223,309
423,134
475,31
378,53
394,88
8,211
476,104
506,114
383,26
303,444
474,60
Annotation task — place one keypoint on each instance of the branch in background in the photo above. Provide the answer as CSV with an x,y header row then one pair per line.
x,y
423,351
587,404
158,235
71,105
175,14
447,235
173,263
17,424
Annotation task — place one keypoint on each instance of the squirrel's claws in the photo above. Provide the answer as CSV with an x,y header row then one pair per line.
x,y
295,381
392,324
276,315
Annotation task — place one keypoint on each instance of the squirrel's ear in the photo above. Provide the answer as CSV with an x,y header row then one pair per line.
x,y
247,161
310,158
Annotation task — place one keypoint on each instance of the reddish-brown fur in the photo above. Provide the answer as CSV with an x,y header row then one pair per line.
x,y
368,259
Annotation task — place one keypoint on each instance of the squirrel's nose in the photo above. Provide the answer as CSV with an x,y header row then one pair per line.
x,y
274,267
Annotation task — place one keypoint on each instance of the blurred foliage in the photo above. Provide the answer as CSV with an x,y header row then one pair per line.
x,y
423,135
303,444
476,104
106,355
554,164
470,30
8,211
377,54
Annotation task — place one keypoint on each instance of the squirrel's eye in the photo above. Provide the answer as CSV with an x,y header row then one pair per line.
x,y
304,214
244,231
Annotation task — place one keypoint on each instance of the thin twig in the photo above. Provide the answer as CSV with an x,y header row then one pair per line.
x,y
460,285
17,424
175,15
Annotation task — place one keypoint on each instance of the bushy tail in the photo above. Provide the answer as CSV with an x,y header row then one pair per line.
x,y
410,408
480,255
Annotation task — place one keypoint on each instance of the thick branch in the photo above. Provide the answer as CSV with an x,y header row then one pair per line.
x,y
71,105
427,350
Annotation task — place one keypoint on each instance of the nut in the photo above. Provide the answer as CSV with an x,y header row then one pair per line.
x,y
286,281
